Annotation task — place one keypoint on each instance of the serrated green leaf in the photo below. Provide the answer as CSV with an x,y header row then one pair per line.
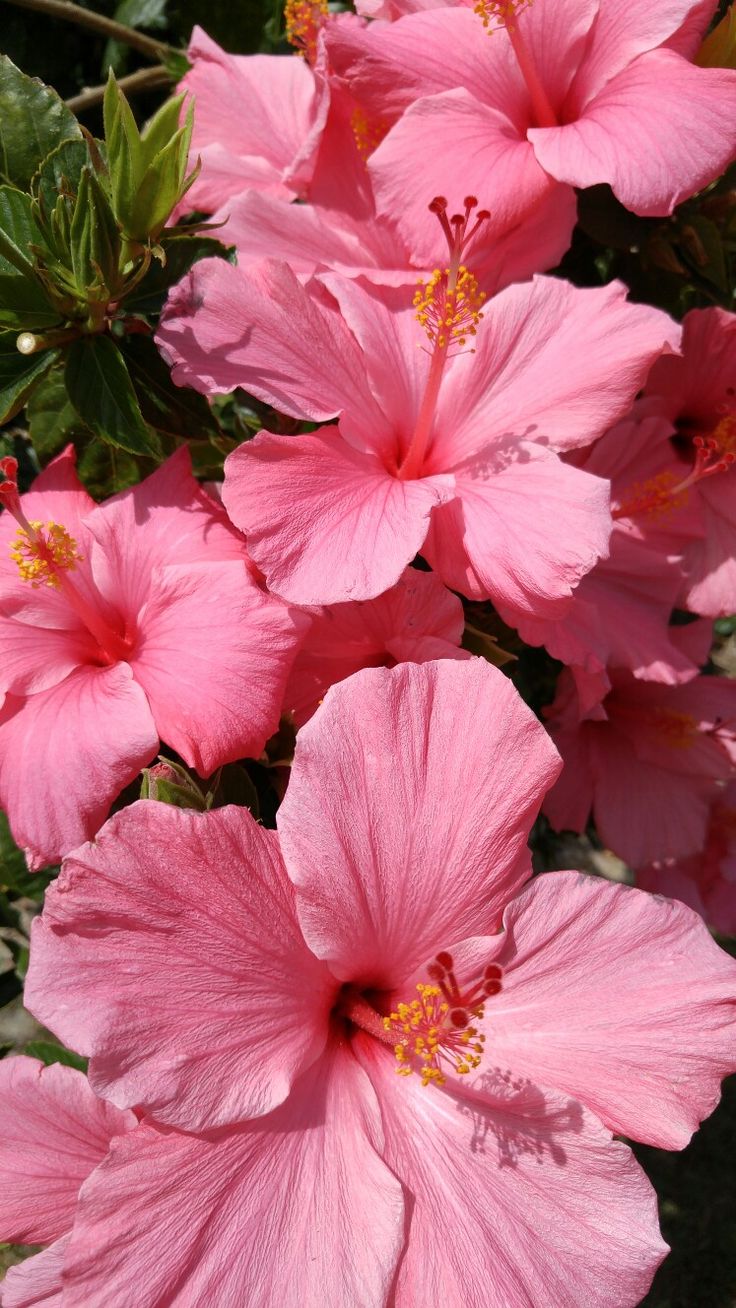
x,y
19,373
47,1052
101,391
59,174
23,304
174,410
95,239
124,155
159,130
33,122
159,189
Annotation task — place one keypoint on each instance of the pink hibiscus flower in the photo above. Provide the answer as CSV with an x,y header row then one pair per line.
x,y
707,880
257,123
647,761
53,1132
620,611
446,451
698,399
380,1039
121,624
569,93
418,619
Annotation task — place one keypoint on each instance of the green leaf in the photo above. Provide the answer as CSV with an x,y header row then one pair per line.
x,y
19,373
95,239
181,253
159,130
23,303
18,228
59,174
101,391
235,786
49,1053
52,419
160,187
124,153
174,410
33,121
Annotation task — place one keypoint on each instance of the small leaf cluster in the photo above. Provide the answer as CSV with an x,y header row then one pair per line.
x,y
86,259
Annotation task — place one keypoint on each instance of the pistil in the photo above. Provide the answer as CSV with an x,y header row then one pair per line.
x,y
45,554
663,493
495,14
449,309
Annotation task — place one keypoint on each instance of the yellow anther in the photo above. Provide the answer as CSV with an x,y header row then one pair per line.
x,y
678,730
725,434
449,315
435,1041
368,132
304,20
41,556
654,497
495,14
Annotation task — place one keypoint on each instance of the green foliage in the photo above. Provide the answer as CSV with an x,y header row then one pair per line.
x,y
19,374
15,878
50,1053
99,386
33,121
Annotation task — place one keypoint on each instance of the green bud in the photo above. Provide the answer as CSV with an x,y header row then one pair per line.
x,y
170,783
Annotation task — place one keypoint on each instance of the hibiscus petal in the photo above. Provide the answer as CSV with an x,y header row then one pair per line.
x,y
679,118
213,655
201,1009
529,532
53,1132
352,530
398,844
297,1209
66,753
617,998
37,1280
518,1196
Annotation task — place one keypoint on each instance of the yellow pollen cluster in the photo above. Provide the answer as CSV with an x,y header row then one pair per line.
x,y
654,497
679,730
432,1036
52,551
449,316
303,20
725,434
368,132
499,13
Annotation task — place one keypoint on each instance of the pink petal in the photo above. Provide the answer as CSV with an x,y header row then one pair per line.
x,y
35,656
252,115
258,328
66,753
295,1209
356,529
617,998
438,137
53,1133
202,1010
553,363
711,586
417,620
518,1194
612,45
37,1280
395,855
213,655
166,518
524,533
680,118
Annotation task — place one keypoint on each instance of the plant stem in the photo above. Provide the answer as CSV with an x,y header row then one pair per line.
x,y
72,13
146,79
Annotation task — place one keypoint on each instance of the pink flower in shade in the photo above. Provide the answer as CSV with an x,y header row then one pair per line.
x,y
121,624
459,1147
707,880
257,123
442,450
53,1132
698,400
567,93
620,611
418,619
648,762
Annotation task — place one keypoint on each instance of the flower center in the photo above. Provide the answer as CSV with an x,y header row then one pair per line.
x,y
368,132
496,14
449,308
304,20
434,1033
663,493
45,553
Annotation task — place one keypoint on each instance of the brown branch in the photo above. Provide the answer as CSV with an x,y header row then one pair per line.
x,y
72,13
144,80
